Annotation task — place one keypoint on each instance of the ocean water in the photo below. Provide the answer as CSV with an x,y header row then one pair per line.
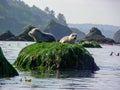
x,y
107,78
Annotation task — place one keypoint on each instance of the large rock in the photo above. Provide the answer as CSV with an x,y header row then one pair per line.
x,y
57,29
23,36
96,35
117,36
6,69
55,56
6,35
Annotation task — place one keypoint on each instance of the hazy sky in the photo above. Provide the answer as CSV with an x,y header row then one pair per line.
x,y
83,11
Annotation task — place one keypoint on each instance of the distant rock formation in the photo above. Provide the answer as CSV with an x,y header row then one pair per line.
x,y
6,36
96,35
57,29
24,35
80,34
117,36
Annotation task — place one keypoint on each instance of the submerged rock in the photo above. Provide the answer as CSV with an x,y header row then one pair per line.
x,y
6,69
55,56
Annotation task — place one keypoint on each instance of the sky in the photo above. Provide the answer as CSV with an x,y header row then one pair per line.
x,y
83,11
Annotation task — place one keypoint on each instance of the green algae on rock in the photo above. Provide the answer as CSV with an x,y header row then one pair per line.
x,y
6,69
90,44
55,56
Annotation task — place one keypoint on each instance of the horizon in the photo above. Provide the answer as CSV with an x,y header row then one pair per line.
x,y
103,12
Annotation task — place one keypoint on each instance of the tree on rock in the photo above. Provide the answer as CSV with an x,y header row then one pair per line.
x,y
61,19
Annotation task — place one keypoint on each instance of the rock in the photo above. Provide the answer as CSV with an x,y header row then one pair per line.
x,y
40,36
57,29
55,56
117,36
24,35
5,36
96,35
6,69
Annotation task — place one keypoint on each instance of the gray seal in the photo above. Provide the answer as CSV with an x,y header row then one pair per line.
x,y
39,36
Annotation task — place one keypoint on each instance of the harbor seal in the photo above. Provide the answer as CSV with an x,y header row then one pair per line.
x,y
39,36
69,39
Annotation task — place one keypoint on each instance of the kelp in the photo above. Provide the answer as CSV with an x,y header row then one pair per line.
x,y
55,56
6,69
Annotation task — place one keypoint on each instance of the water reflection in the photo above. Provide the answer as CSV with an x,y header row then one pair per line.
x,y
63,74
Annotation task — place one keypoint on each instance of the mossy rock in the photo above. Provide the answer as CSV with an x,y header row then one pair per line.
x,y
55,56
90,44
6,69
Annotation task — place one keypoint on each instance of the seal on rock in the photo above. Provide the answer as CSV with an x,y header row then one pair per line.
x,y
69,39
39,36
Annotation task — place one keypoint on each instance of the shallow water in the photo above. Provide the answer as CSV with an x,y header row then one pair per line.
x,y
108,77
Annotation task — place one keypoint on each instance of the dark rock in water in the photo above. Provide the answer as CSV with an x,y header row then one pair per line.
x,y
57,29
95,31
117,36
24,35
55,56
7,35
96,35
6,69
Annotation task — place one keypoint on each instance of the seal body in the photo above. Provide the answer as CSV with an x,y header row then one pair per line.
x,y
69,39
39,36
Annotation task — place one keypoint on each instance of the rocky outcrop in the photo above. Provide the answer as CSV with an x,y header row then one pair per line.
x,y
55,56
6,69
57,29
96,35
6,36
117,36
24,34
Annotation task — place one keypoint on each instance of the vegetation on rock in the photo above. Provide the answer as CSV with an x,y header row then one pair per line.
x,y
90,44
55,56
6,69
